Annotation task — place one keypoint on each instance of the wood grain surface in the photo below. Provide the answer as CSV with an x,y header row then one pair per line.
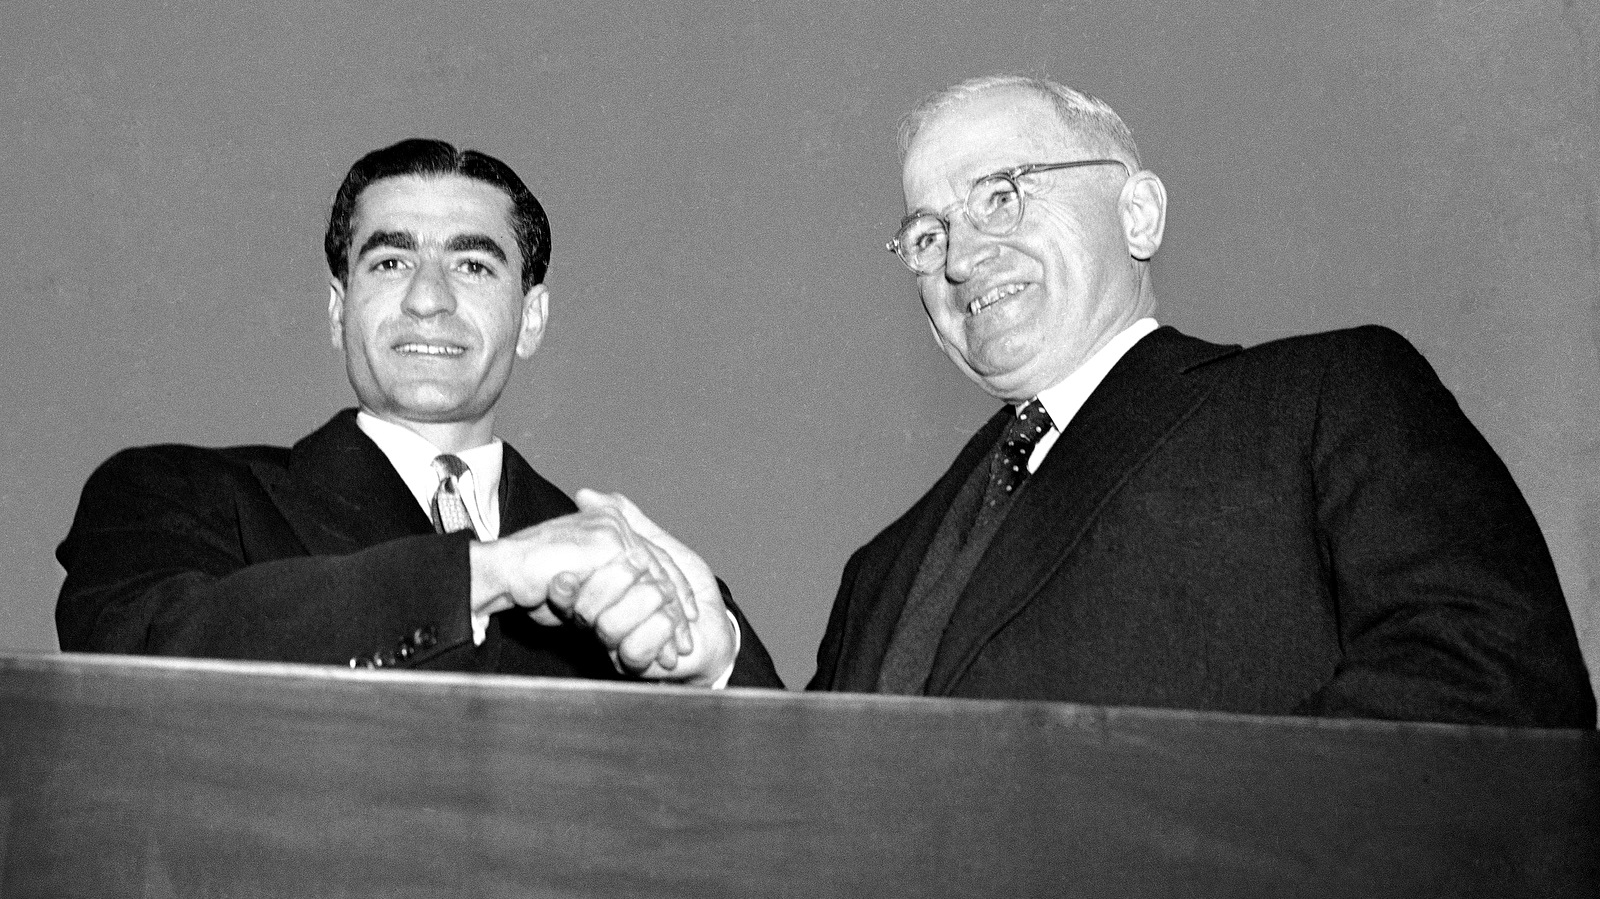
x,y
141,777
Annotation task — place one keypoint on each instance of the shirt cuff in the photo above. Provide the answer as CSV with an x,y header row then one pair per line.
x,y
480,627
722,681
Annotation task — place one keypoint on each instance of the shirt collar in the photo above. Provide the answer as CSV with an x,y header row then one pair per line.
x,y
1063,399
412,457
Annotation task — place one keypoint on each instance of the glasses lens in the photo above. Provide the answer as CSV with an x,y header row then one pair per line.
x,y
921,243
995,205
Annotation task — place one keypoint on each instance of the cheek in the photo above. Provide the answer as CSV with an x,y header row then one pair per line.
x,y
936,306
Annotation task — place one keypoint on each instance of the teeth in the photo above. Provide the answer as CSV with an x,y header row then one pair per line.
x,y
993,296
430,349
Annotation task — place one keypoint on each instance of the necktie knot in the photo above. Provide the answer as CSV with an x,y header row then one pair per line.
x,y
449,510
1016,444
1008,467
449,465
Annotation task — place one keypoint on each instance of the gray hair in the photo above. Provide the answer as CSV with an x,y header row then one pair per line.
x,y
1080,113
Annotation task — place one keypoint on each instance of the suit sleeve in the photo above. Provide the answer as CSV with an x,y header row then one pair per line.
x,y
829,649
753,667
1448,603
162,559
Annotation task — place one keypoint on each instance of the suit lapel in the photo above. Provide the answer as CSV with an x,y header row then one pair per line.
x,y
340,493
1145,397
526,498
888,569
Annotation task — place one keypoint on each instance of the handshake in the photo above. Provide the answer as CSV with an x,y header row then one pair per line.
x,y
652,602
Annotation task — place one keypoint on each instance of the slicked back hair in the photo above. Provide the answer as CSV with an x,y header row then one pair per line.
x,y
1088,118
420,156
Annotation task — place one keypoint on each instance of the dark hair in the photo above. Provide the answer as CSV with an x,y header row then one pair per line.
x,y
419,156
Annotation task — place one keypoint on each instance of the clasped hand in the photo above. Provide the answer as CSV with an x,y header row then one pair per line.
x,y
650,600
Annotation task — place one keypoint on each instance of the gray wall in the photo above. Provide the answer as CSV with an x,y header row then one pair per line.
x,y
730,345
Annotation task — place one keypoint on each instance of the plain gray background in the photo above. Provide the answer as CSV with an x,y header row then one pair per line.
x,y
729,344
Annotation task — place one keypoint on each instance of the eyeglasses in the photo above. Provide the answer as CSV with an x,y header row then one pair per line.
x,y
994,205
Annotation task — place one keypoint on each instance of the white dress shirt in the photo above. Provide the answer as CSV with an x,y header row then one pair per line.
x,y
1063,400
412,457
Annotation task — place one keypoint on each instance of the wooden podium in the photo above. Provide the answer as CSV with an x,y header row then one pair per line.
x,y
140,777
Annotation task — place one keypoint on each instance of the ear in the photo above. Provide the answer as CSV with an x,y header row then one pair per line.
x,y
535,312
1143,205
336,312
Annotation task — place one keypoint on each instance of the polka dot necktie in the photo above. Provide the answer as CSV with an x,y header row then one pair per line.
x,y
1009,465
449,512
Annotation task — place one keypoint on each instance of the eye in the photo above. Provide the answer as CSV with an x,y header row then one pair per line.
x,y
992,197
923,233
386,264
476,268
927,240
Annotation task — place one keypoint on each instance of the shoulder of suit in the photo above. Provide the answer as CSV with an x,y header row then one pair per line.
x,y
188,454
1364,345
1347,359
1366,339
194,463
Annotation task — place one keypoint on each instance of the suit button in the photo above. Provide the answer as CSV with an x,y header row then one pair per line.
x,y
423,638
361,662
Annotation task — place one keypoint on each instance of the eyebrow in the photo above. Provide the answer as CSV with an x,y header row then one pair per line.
x,y
399,240
483,243
461,243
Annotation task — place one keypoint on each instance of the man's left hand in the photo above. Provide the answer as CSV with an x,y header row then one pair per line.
x,y
634,610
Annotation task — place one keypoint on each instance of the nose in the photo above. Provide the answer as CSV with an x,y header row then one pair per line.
x,y
966,248
429,292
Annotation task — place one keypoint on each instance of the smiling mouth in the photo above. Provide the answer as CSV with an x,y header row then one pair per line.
x,y
429,349
992,296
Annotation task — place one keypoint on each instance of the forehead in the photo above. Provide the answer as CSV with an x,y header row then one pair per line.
x,y
434,208
996,130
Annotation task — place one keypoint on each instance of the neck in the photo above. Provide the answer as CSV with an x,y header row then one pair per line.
x,y
447,436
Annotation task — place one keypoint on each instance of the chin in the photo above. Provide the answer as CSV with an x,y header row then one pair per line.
x,y
433,410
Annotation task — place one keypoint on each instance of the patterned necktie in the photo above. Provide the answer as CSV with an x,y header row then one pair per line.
x,y
1009,465
449,512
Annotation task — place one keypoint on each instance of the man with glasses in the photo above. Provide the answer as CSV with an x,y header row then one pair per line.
x,y
403,533
1307,527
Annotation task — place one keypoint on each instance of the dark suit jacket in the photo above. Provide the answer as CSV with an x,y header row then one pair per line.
x,y
1311,526
317,553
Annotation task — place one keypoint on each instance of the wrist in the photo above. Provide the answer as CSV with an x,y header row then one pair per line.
x,y
490,592
717,668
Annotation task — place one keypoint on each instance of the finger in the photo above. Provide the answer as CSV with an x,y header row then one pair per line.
x,y
605,587
668,658
640,607
624,508
673,607
649,643
563,592
680,581
676,608
663,568
657,559
544,616
638,527
614,519
677,590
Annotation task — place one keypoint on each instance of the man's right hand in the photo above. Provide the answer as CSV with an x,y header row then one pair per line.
x,y
624,605
516,570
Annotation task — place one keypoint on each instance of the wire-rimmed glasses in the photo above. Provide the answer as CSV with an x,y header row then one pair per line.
x,y
994,205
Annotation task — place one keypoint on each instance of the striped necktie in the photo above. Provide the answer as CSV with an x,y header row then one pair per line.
x,y
449,511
